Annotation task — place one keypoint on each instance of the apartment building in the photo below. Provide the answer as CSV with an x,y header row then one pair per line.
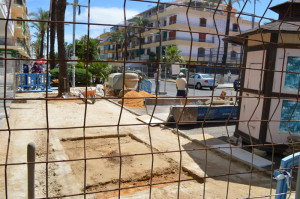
x,y
18,34
206,33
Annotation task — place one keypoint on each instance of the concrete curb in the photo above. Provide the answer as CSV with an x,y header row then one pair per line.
x,y
184,135
124,107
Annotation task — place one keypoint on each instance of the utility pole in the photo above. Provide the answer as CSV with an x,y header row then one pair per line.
x,y
253,18
75,4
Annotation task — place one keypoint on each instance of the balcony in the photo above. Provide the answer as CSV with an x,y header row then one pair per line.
x,y
195,40
15,44
3,8
10,41
18,8
3,14
19,30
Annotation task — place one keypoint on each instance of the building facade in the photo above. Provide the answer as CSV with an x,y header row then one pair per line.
x,y
207,34
18,34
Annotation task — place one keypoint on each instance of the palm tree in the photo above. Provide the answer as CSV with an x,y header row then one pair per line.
x,y
52,35
40,25
115,37
63,86
142,22
229,4
228,9
172,55
37,44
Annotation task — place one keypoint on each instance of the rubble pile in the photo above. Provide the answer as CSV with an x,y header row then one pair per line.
x,y
293,142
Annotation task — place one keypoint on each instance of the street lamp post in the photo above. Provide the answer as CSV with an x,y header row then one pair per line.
x,y
165,81
74,19
75,4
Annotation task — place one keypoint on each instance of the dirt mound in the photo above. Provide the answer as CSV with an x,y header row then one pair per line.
x,y
135,103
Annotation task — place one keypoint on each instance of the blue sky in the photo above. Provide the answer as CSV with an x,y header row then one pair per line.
x,y
111,12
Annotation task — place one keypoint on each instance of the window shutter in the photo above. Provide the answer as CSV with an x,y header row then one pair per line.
x,y
202,37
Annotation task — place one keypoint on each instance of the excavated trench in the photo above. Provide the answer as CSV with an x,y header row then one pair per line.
x,y
103,170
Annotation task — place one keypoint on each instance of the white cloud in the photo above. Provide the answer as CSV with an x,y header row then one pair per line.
x,y
106,15
97,15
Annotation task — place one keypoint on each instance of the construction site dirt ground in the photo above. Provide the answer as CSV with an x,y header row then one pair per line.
x,y
101,173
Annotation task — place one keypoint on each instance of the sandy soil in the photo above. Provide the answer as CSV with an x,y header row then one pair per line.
x,y
102,174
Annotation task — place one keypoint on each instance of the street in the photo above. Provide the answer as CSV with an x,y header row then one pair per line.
x,y
216,130
171,89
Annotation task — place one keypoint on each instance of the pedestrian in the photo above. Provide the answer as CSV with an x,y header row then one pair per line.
x,y
157,79
181,85
36,68
229,76
25,71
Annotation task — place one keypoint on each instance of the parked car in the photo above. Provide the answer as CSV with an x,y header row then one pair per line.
x,y
202,80
236,84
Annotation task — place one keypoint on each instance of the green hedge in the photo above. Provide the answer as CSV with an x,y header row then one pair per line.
x,y
80,75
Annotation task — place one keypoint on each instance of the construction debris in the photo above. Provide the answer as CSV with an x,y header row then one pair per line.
x,y
293,148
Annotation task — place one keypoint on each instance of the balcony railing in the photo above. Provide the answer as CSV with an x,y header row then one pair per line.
x,y
18,2
10,42
195,39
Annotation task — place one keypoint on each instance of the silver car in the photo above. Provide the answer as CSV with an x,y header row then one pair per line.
x,y
202,80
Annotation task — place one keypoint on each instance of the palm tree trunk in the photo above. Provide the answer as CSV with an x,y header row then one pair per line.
x,y
117,56
52,35
42,44
224,58
63,86
122,54
140,43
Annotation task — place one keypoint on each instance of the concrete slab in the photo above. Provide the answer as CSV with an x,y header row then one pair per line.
x,y
200,137
146,119
244,156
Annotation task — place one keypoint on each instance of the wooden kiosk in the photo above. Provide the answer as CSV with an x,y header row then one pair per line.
x,y
268,108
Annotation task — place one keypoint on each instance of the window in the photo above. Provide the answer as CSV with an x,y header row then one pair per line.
x,y
1,61
148,51
205,76
163,50
149,40
173,19
233,55
203,22
150,25
165,22
157,38
172,35
201,52
235,27
202,37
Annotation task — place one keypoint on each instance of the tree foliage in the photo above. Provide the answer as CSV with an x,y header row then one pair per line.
x,y
100,69
172,55
142,22
37,44
81,48
41,26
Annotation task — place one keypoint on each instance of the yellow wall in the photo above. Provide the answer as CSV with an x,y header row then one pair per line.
x,y
288,38
180,42
265,38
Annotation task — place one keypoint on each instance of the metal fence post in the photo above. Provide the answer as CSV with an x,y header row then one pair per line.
x,y
30,169
298,183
